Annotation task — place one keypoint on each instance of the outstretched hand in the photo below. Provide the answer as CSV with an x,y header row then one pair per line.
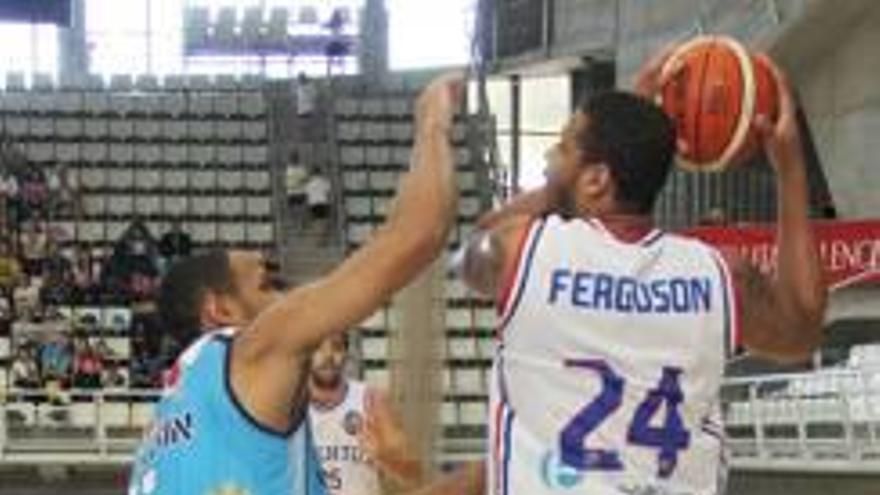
x,y
651,75
440,100
384,442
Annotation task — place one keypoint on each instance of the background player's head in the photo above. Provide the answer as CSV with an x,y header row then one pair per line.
x,y
614,156
328,363
214,290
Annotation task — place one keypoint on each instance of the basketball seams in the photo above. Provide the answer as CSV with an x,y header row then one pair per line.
x,y
701,97
747,111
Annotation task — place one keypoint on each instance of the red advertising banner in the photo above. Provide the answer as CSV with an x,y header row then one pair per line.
x,y
850,251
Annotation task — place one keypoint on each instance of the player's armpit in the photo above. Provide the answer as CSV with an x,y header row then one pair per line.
x,y
771,326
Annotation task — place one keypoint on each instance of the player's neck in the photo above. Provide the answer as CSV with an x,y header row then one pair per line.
x,y
328,398
626,227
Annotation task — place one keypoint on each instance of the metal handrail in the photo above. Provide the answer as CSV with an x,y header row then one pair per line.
x,y
822,421
91,435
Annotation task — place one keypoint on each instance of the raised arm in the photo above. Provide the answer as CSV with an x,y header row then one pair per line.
x,y
269,358
782,315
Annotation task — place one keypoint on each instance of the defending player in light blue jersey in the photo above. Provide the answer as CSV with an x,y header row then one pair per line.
x,y
231,419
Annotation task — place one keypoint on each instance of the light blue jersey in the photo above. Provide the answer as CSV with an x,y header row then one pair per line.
x,y
202,442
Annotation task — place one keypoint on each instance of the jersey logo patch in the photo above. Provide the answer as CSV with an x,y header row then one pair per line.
x,y
353,423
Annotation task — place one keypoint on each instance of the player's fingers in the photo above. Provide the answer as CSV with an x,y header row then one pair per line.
x,y
683,146
784,90
763,126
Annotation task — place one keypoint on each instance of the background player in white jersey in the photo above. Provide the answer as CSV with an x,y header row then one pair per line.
x,y
359,438
613,334
238,393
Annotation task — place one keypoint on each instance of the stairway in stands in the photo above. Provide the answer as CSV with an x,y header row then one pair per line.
x,y
311,248
308,252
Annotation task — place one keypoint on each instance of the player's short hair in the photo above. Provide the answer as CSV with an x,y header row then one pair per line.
x,y
636,140
183,290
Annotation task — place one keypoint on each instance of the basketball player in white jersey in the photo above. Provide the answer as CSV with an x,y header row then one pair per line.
x,y
613,334
359,440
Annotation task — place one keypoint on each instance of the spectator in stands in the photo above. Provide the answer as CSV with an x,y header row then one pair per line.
x,y
26,296
306,95
175,244
147,358
58,274
318,198
34,243
8,193
82,285
53,185
10,190
88,365
295,180
34,192
113,375
10,268
338,47
6,315
132,272
24,371
56,359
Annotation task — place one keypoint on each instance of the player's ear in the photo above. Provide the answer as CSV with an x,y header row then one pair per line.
x,y
219,310
594,181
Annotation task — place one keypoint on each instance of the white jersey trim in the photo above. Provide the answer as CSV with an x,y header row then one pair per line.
x,y
518,283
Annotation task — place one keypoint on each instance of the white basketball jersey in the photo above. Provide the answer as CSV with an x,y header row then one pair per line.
x,y
609,364
347,471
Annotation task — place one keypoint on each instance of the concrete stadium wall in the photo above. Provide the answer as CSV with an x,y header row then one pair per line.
x,y
840,90
829,50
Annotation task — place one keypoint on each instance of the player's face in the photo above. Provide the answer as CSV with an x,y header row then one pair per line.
x,y
328,362
255,286
564,165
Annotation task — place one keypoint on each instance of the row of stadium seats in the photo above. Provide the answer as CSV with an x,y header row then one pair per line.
x,y
357,233
457,381
220,206
103,152
119,345
466,413
156,179
246,105
376,108
461,348
255,234
82,415
858,409
389,156
383,180
360,207
17,82
124,376
256,28
381,131
124,130
457,319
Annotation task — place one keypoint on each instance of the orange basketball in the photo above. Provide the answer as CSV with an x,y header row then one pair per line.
x,y
714,89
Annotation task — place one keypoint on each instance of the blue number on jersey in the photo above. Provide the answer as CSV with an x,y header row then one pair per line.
x,y
673,436
670,439
572,439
